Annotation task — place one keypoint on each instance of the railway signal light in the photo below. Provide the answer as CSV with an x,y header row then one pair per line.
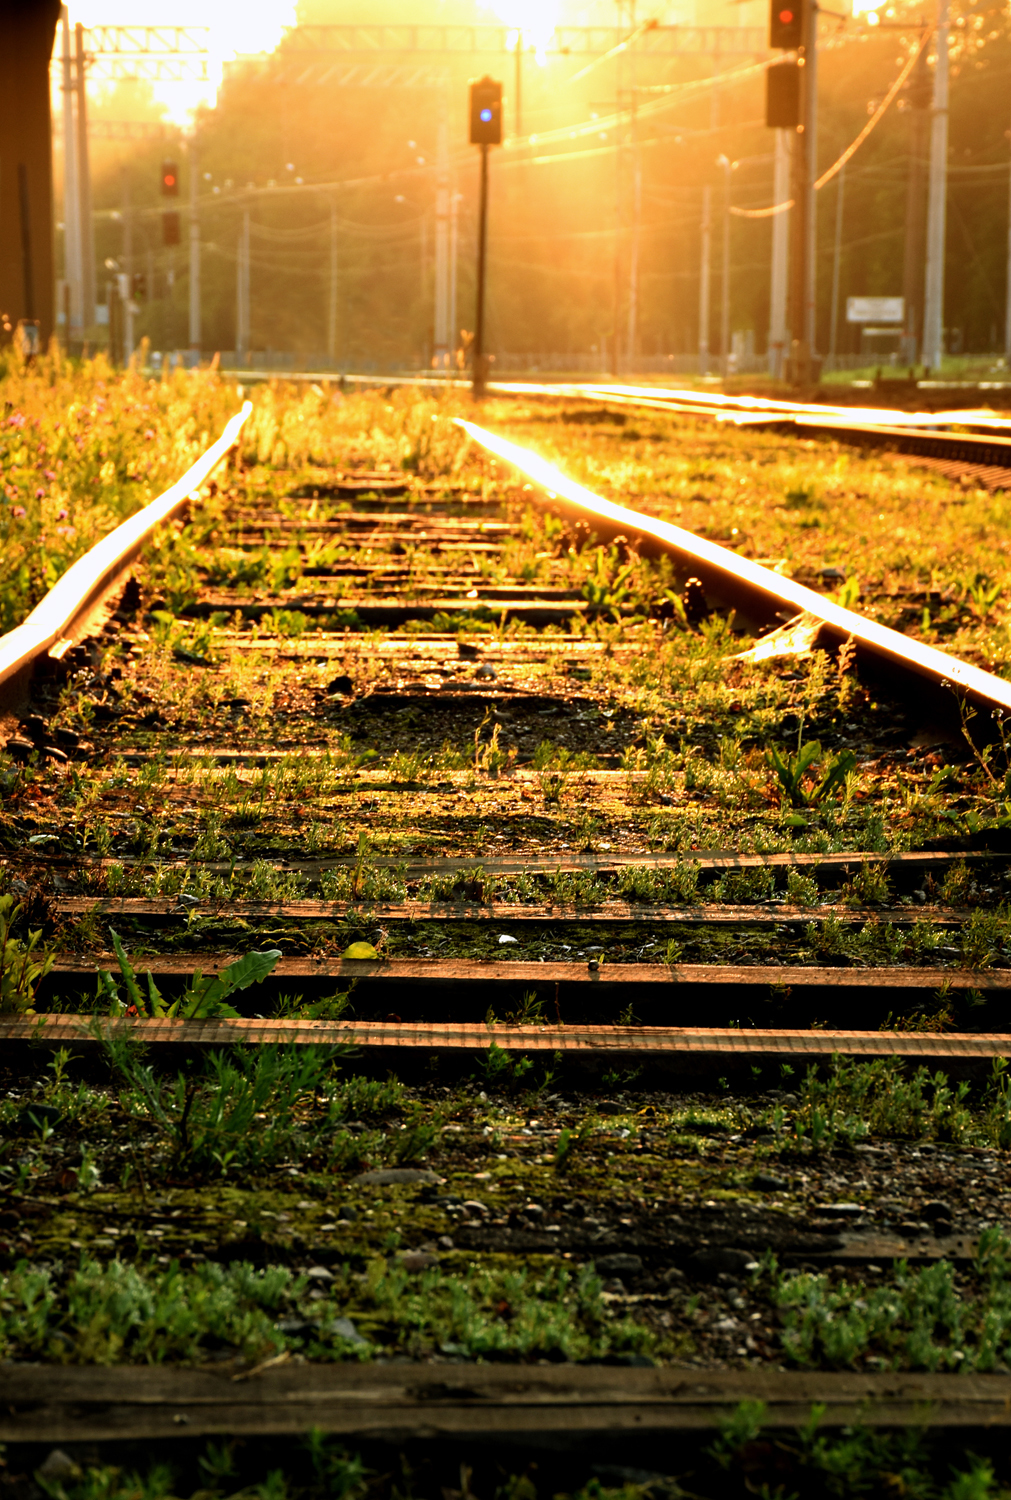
x,y
486,113
169,179
138,287
171,233
786,24
782,96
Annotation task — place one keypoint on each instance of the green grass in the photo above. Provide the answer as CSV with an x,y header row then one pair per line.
x,y
114,1313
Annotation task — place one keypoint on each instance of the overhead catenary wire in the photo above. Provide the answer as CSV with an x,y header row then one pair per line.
x,y
852,148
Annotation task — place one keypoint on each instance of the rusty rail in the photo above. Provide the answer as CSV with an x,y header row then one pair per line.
x,y
63,615
759,597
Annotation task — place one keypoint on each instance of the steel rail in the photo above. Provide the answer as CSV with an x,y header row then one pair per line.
x,y
615,912
905,862
54,624
468,1037
565,1405
758,596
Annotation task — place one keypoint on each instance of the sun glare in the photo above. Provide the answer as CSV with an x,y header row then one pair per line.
x,y
533,22
235,28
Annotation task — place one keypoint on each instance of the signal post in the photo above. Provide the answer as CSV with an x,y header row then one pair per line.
x,y
485,131
791,92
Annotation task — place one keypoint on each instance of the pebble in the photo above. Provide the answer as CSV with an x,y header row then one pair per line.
x,y
340,686
390,1176
712,1260
58,1467
766,1183
345,1329
505,938
486,672
613,1265
318,1273
416,1260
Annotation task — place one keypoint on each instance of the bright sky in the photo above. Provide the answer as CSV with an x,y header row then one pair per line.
x,y
235,27
244,26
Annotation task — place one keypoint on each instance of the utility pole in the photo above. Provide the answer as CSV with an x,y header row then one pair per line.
x,y
933,310
780,254
485,131
87,237
441,327
71,200
633,258
811,206
725,163
836,268
331,328
918,93
802,217
126,271
242,291
1007,306
704,281
454,255
194,249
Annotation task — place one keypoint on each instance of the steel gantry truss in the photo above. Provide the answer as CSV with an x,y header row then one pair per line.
x,y
156,54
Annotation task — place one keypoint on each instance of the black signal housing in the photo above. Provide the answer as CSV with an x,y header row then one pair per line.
x,y
486,113
786,24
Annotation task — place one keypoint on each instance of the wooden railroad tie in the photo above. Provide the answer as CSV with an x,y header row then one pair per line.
x,y
64,1404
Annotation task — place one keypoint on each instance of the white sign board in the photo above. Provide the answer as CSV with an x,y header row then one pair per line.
x,y
875,309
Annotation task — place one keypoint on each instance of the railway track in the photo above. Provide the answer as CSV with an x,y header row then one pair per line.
x,y
369,731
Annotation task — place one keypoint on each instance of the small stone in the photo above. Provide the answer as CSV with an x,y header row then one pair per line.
x,y
294,1325
58,1467
69,739
340,686
19,748
467,651
936,1208
672,1276
614,1265
504,938
318,1273
486,673
392,1176
416,1260
714,1260
475,1206
348,1214
445,1242
609,1107
841,1210
345,1329
832,575
766,1183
